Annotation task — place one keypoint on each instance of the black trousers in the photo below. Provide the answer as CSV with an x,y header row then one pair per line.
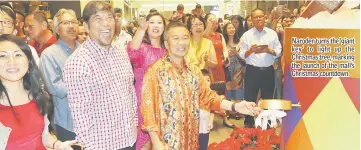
x,y
64,134
258,78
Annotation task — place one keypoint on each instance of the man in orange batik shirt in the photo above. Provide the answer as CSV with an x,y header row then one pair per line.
x,y
174,91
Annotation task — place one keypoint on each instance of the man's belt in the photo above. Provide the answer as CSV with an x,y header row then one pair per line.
x,y
260,68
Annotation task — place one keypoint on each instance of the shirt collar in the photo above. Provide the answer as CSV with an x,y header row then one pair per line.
x,y
256,31
65,46
97,47
176,66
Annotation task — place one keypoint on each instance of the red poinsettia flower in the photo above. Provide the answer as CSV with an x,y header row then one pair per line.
x,y
238,144
212,146
246,140
221,145
267,146
248,148
274,139
249,138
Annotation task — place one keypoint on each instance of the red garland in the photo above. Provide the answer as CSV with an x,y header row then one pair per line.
x,y
249,139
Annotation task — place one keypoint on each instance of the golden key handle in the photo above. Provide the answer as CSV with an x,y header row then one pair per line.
x,y
298,105
278,104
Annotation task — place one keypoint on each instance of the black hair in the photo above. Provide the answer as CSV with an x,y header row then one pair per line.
x,y
227,16
153,10
40,16
189,23
173,25
129,29
31,82
180,7
239,29
206,18
118,10
284,17
256,9
246,27
146,36
80,21
20,13
198,6
236,37
184,18
95,6
8,9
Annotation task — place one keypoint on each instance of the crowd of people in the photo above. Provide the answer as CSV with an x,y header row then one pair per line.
x,y
154,83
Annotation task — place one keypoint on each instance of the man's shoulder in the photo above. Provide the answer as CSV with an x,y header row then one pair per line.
x,y
269,30
80,55
50,50
52,40
248,32
157,65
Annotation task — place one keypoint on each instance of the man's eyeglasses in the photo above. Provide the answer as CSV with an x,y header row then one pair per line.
x,y
67,23
6,23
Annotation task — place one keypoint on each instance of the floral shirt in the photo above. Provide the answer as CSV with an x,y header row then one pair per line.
x,y
171,99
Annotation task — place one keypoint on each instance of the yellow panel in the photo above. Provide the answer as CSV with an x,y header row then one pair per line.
x,y
332,121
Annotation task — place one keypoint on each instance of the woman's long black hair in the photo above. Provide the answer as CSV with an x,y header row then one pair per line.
x,y
239,29
246,28
147,38
236,37
31,81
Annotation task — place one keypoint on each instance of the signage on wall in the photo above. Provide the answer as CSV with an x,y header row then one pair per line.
x,y
215,8
215,11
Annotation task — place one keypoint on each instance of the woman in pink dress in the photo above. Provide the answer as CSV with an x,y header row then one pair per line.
x,y
146,47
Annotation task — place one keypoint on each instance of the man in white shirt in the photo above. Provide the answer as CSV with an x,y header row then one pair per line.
x,y
259,47
121,36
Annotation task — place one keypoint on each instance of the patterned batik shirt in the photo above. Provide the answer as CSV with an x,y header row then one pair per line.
x,y
171,99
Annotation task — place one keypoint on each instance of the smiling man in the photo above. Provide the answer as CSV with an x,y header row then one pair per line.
x,y
173,92
99,82
52,61
259,47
